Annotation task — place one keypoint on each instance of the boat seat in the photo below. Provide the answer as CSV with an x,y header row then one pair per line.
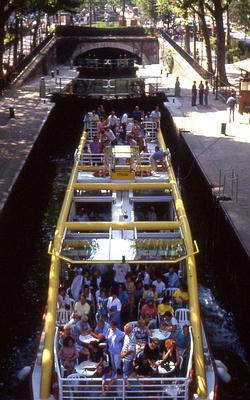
x,y
63,317
170,291
183,316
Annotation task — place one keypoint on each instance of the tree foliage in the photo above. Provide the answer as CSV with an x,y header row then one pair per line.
x,y
240,13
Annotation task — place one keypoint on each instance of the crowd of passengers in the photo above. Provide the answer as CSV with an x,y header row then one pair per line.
x,y
111,129
119,347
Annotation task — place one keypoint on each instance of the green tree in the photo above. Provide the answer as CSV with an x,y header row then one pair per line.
x,y
149,9
240,12
217,8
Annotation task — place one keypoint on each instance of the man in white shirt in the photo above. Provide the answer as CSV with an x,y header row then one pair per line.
x,y
124,122
159,286
173,279
110,136
121,271
156,115
128,351
112,121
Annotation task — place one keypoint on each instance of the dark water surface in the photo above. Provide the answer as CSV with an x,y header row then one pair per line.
x,y
25,230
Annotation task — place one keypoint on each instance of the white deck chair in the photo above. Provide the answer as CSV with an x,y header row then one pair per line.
x,y
170,291
183,316
63,317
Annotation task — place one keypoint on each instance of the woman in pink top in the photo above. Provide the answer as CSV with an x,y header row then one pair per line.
x,y
68,354
149,309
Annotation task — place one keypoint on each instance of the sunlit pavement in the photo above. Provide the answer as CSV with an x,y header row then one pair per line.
x,y
224,159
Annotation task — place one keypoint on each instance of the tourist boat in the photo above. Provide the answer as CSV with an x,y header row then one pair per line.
x,y
115,188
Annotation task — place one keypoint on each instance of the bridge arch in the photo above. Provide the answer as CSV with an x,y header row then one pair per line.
x,y
129,47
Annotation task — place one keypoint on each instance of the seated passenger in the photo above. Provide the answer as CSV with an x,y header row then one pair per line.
x,y
182,339
82,327
151,214
68,354
164,307
149,309
87,121
181,296
170,324
96,146
67,331
136,130
158,157
96,355
159,286
81,309
156,115
170,354
147,361
95,117
141,332
100,330
172,279
82,216
150,293
63,299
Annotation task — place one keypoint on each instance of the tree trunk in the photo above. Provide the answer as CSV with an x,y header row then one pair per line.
x,y
195,39
205,34
21,36
16,37
220,42
36,28
187,39
2,36
228,29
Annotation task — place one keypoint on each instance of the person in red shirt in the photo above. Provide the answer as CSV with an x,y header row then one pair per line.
x,y
149,309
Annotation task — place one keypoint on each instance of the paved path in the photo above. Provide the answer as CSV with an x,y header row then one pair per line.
x,y
18,135
215,153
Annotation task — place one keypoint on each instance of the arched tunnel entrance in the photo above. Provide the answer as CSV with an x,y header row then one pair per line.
x,y
105,53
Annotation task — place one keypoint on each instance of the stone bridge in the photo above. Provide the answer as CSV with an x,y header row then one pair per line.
x,y
145,48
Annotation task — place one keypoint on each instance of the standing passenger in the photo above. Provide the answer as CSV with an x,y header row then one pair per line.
x,y
201,93
194,94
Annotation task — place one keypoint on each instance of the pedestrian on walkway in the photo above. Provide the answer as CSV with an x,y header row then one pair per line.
x,y
177,89
194,94
201,93
231,103
206,91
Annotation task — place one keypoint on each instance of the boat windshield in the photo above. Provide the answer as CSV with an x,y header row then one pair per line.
x,y
114,250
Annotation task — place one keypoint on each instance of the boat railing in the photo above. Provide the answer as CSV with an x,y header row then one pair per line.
x,y
84,387
91,127
91,159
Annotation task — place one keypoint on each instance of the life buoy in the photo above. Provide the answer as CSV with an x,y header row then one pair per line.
x,y
143,173
100,173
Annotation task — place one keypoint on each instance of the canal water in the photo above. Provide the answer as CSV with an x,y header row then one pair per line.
x,y
26,227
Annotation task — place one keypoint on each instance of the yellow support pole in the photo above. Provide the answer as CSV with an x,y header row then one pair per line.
x,y
104,225
123,186
50,320
192,287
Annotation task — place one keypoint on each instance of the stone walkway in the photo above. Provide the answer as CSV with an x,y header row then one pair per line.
x,y
18,135
216,153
